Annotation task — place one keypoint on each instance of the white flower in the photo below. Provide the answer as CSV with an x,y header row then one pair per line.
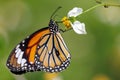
x,y
77,26
75,12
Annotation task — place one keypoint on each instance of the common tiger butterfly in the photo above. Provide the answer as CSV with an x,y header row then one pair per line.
x,y
44,50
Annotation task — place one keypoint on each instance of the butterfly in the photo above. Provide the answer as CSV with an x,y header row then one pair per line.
x,y
44,50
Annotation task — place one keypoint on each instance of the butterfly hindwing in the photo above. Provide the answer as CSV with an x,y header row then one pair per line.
x,y
52,54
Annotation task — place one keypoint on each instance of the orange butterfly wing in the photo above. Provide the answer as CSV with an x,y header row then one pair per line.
x,y
22,58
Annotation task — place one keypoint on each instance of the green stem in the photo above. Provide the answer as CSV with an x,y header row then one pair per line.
x,y
92,8
102,4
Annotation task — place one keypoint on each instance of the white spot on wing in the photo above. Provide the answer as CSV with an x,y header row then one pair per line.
x,y
17,51
23,45
18,46
31,62
23,62
20,57
68,56
23,41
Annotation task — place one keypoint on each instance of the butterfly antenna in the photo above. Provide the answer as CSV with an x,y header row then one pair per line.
x,y
55,12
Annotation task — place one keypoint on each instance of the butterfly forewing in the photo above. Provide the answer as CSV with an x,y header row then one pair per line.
x,y
22,57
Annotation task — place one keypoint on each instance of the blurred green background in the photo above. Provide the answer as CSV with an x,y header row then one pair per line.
x,y
95,56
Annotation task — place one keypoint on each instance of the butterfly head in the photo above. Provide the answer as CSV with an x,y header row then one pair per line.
x,y
53,26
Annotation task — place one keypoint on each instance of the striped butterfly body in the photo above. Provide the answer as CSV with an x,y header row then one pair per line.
x,y
44,50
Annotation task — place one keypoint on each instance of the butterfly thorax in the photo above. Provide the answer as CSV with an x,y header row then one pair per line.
x,y
53,26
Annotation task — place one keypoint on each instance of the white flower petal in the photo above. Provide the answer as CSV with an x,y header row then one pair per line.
x,y
75,12
78,27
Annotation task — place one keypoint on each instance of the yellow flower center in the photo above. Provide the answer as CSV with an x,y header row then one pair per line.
x,y
66,22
